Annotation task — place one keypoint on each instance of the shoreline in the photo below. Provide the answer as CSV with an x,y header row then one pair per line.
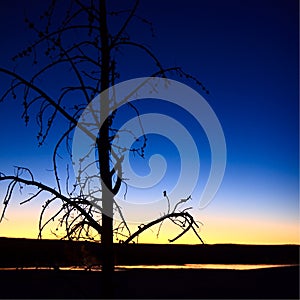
x,y
50,253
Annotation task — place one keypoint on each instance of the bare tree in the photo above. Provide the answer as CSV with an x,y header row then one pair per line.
x,y
82,47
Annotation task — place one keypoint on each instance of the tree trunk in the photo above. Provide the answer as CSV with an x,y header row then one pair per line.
x,y
104,159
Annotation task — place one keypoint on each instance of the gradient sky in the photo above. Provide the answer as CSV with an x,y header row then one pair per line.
x,y
246,53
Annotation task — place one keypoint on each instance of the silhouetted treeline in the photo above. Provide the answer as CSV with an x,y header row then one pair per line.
x,y
57,253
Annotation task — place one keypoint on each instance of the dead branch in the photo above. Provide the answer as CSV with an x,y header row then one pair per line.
x,y
15,179
170,216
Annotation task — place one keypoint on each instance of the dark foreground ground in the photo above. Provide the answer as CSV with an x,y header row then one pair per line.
x,y
273,283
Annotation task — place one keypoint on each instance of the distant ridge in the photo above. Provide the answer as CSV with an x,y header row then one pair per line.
x,y
22,252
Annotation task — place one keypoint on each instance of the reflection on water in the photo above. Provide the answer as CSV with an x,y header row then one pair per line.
x,y
203,266
163,267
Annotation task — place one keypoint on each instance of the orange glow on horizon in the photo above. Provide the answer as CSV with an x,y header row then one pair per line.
x,y
21,222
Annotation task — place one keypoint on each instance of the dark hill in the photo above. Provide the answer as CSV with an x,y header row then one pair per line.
x,y
50,253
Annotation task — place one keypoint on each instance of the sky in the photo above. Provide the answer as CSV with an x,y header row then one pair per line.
x,y
246,53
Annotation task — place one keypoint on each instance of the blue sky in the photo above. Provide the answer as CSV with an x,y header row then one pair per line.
x,y
246,54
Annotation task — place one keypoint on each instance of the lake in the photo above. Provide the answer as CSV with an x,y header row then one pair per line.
x,y
170,267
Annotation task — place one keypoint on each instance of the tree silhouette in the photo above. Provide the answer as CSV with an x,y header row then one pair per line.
x,y
86,51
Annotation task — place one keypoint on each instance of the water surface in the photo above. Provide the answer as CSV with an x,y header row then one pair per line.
x,y
167,267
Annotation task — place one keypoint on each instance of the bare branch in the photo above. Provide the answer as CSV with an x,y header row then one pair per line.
x,y
131,14
15,179
185,215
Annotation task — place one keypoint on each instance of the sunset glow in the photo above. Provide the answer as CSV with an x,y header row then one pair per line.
x,y
248,57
